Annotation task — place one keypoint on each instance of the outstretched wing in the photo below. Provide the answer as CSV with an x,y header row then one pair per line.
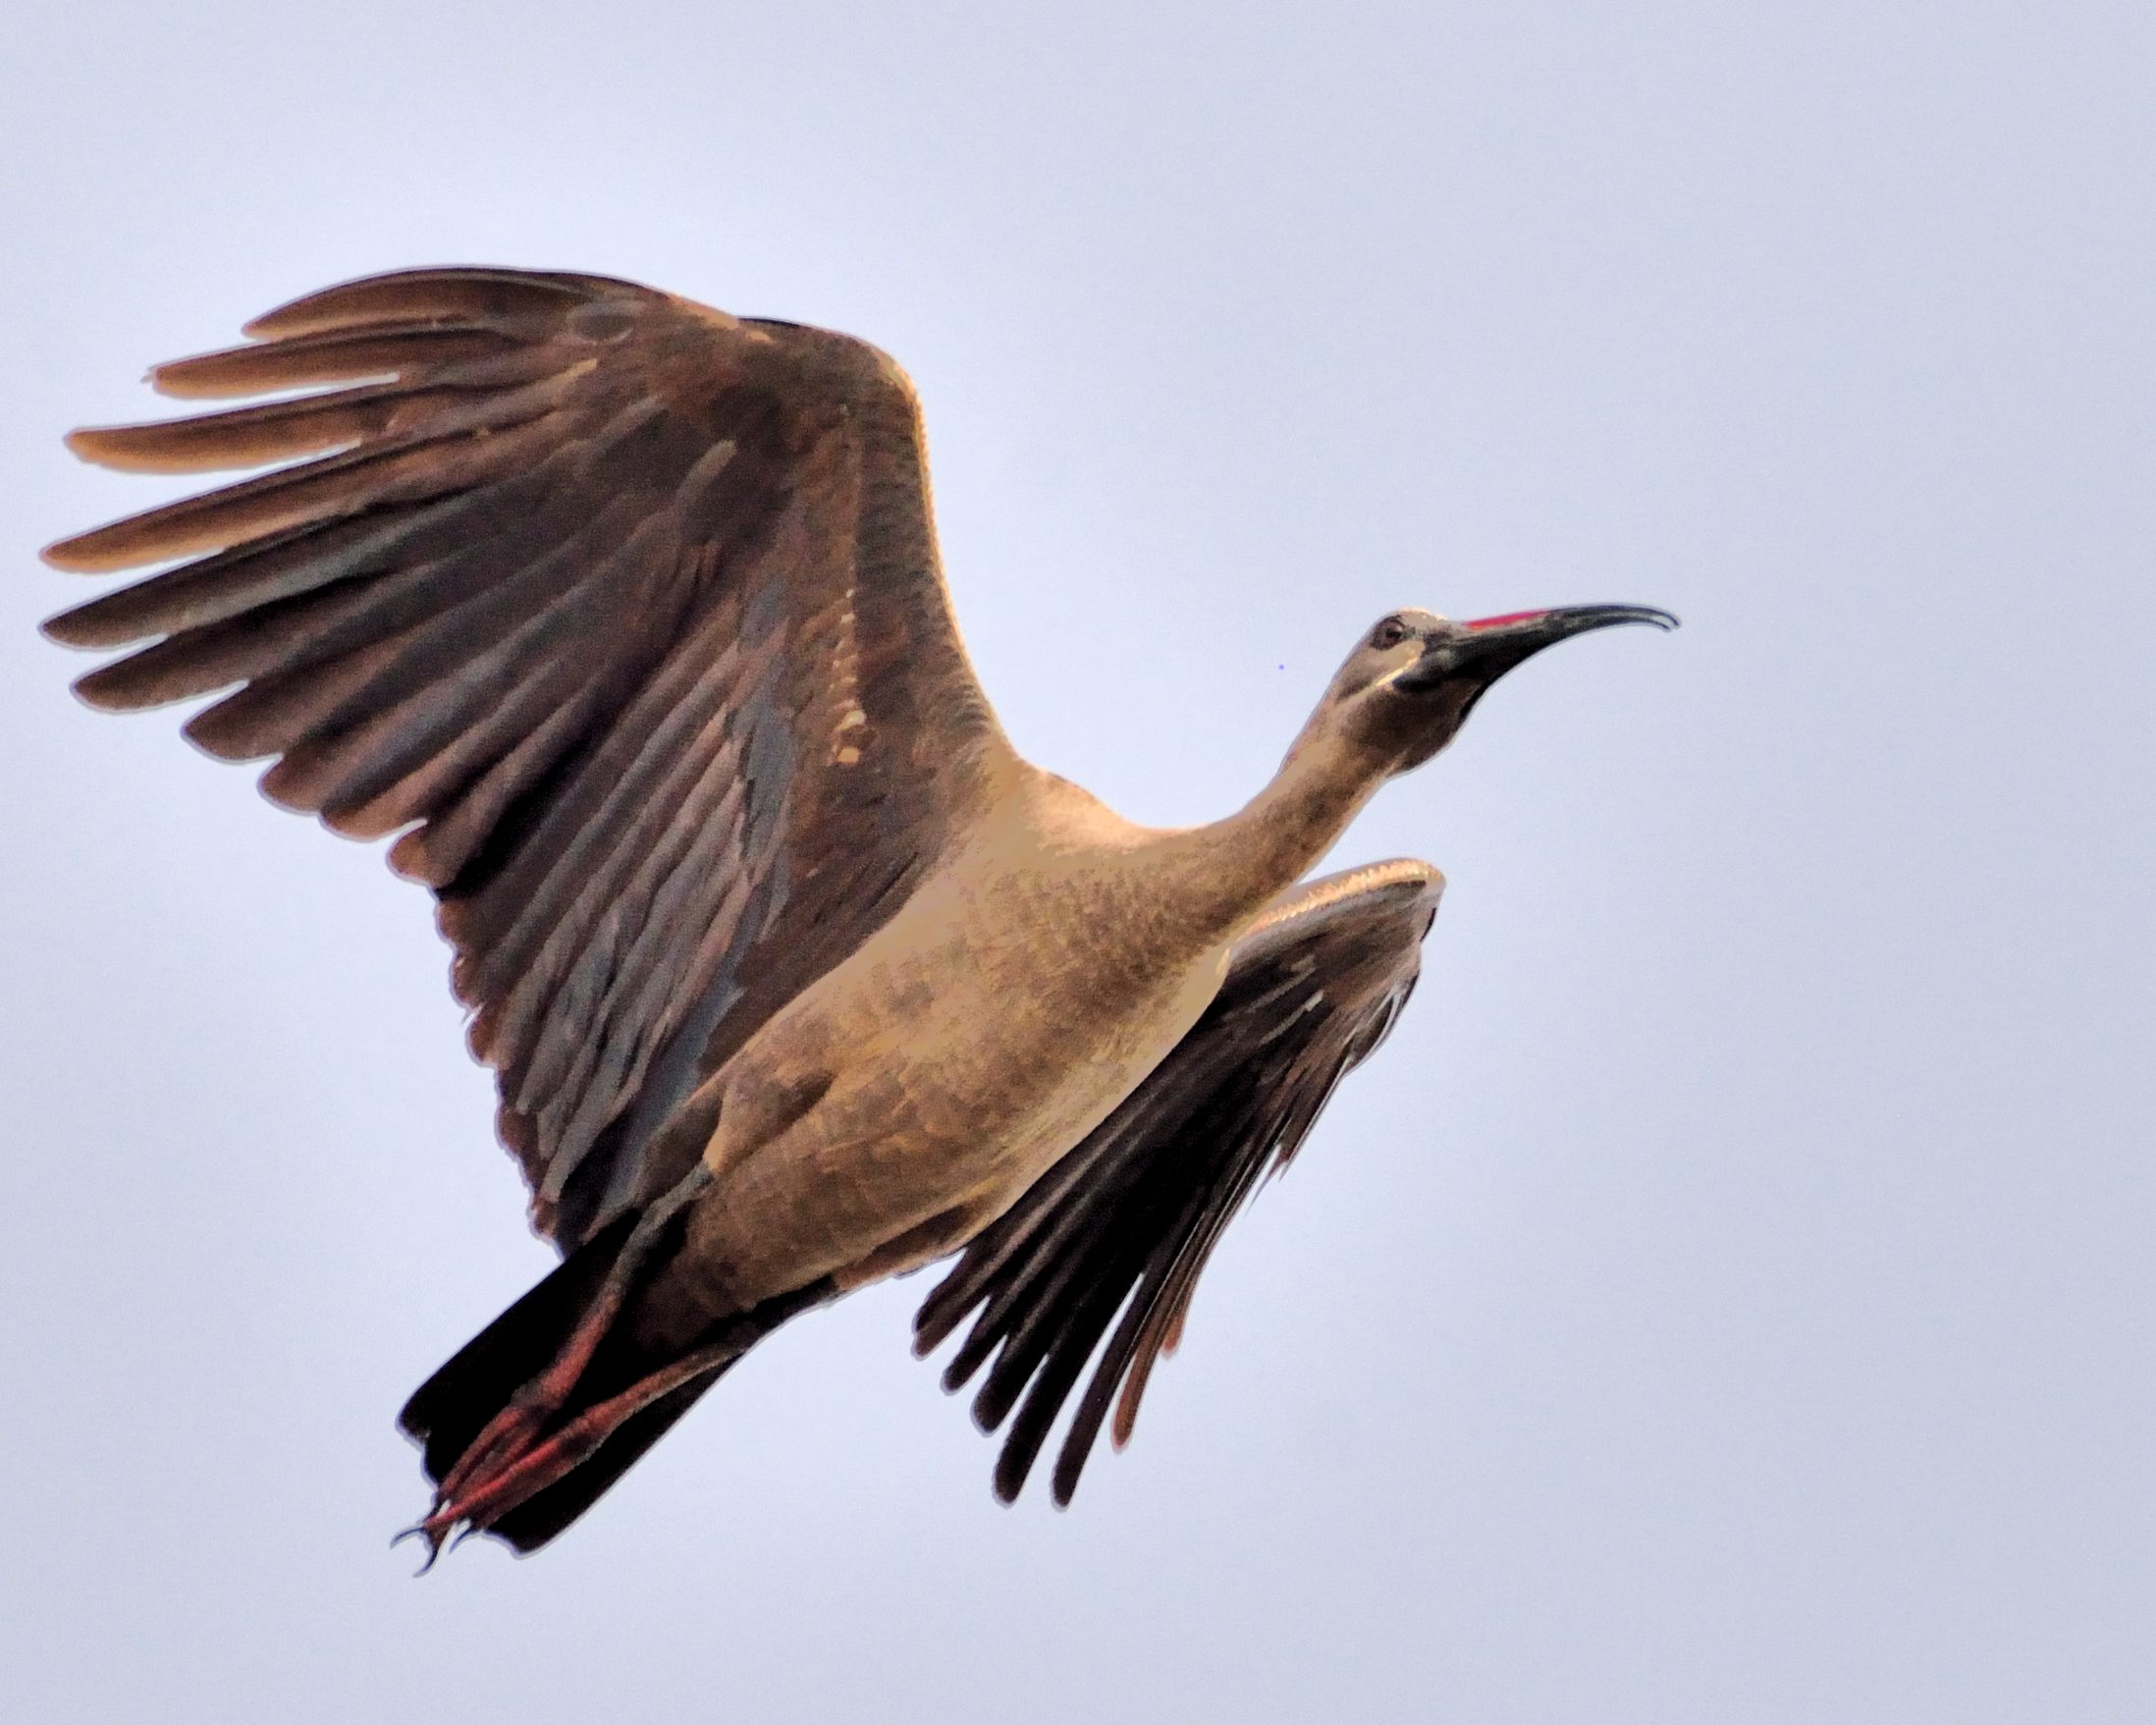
x,y
626,612
1127,1219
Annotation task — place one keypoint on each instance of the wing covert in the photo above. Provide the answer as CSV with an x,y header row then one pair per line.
x,y
623,612
1125,1222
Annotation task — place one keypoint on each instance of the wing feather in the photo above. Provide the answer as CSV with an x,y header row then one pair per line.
x,y
336,356
408,471
562,578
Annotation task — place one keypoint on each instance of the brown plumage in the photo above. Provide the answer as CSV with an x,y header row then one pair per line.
x,y
625,615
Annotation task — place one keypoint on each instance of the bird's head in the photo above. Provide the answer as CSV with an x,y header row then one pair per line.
x,y
1411,680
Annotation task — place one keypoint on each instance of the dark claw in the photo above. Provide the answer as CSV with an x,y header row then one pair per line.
x,y
419,1530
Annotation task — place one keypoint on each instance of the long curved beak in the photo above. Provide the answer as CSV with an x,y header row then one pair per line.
x,y
1485,649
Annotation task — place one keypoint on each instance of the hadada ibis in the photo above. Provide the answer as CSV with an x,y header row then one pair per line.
x,y
624,617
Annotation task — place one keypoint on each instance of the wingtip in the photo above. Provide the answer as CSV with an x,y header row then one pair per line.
x,y
94,692
177,380
77,556
273,322
118,544
59,630
128,449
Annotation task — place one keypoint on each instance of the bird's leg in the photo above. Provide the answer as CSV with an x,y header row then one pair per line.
x,y
486,1498
514,1430
480,1501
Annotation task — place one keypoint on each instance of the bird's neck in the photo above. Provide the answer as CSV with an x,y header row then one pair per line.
x,y
1234,868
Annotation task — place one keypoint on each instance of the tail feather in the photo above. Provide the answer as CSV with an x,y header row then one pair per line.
x,y
452,1407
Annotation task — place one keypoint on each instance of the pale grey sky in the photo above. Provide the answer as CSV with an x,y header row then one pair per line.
x,y
1728,1297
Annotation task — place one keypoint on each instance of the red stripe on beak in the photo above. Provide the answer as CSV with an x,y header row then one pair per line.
x,y
1499,622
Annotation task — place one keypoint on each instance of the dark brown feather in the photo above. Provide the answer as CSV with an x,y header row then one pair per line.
x,y
332,356
277,431
406,472
566,598
460,292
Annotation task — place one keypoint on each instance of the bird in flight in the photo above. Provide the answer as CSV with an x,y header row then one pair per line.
x,y
625,617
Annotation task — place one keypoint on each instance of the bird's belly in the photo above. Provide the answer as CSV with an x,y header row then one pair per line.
x,y
1045,1078
945,1102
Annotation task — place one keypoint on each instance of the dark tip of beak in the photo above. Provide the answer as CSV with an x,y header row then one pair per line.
x,y
1571,619
1488,647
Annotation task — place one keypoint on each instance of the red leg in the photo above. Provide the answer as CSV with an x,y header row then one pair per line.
x,y
517,1427
487,1494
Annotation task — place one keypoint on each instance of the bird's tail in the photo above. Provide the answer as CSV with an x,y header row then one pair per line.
x,y
541,1412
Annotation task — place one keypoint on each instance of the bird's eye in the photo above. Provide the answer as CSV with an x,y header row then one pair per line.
x,y
1389,633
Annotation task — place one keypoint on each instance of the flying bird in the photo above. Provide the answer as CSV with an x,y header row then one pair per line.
x,y
624,617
